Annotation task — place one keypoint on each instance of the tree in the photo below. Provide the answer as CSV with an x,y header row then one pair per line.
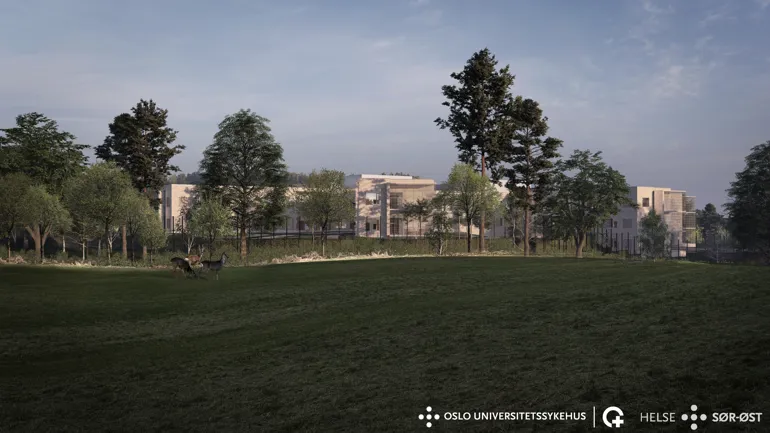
x,y
183,223
421,210
654,237
151,232
211,220
531,157
37,148
469,194
709,221
142,144
512,215
193,178
244,166
137,208
325,200
440,232
580,202
749,205
104,194
85,225
44,213
13,201
480,115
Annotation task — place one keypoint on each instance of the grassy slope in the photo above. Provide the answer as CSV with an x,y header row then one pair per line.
x,y
366,345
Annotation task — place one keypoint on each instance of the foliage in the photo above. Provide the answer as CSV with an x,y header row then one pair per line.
x,y
654,238
325,200
193,178
78,200
13,202
136,209
37,148
421,211
142,144
245,167
469,194
44,214
183,226
104,195
210,219
151,232
709,221
440,232
578,203
749,206
480,115
531,157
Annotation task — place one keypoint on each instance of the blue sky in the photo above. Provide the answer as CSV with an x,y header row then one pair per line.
x,y
674,93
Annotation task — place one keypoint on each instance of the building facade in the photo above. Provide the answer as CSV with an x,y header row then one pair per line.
x,y
676,207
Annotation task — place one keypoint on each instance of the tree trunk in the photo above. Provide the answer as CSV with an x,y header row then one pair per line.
x,y
35,234
580,241
527,223
244,243
84,251
469,235
419,234
99,248
63,244
144,252
124,240
482,217
8,243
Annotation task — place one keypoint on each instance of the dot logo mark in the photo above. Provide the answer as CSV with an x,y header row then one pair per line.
x,y
694,417
429,416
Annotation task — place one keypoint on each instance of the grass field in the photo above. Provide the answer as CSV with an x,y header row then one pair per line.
x,y
365,346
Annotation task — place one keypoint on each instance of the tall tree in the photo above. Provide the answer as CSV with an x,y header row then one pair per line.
x,y
245,167
480,115
749,205
582,201
470,194
13,203
440,231
151,233
142,144
44,214
37,148
421,209
709,221
325,200
531,155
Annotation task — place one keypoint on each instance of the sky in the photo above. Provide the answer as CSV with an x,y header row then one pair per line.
x,y
674,93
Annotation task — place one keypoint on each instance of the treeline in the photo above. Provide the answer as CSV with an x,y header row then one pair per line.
x,y
48,189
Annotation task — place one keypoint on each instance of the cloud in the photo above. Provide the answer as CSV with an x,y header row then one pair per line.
x,y
417,3
763,3
700,44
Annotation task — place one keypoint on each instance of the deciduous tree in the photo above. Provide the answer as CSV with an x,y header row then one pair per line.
x,y
584,192
44,214
654,237
325,200
244,166
469,194
211,219
14,188
151,233
480,117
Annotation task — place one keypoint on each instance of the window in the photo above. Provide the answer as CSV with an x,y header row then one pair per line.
x,y
168,223
368,227
372,198
646,202
395,226
352,224
374,226
614,224
301,225
395,200
627,223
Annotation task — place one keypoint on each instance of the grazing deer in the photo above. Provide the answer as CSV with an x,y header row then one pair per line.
x,y
215,266
184,265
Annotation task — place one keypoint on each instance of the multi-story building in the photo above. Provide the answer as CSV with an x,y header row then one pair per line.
x,y
380,201
676,207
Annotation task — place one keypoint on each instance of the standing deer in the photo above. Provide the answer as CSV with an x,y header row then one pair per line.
x,y
184,265
215,266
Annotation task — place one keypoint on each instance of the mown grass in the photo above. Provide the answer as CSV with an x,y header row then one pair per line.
x,y
364,346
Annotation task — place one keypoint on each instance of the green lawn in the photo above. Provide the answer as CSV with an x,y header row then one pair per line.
x,y
365,346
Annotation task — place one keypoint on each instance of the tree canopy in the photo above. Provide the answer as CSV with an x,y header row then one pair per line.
x,y
581,201
244,166
37,148
325,200
141,143
469,194
749,205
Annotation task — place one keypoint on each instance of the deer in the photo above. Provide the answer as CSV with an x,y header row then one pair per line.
x,y
193,259
215,266
184,265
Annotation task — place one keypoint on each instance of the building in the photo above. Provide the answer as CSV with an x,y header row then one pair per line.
x,y
173,199
676,207
380,201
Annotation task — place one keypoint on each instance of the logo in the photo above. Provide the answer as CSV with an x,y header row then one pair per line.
x,y
429,416
617,421
694,417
